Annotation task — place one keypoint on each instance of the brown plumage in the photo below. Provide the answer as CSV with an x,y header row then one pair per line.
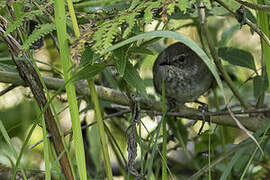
x,y
186,77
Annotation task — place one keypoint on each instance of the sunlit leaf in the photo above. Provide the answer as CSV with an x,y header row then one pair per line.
x,y
237,57
140,50
227,34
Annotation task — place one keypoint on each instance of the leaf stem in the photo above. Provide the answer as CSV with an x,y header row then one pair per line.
x,y
60,20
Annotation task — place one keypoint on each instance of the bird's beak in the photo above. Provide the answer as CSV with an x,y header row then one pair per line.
x,y
164,63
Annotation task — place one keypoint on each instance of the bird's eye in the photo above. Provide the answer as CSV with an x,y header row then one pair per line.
x,y
179,58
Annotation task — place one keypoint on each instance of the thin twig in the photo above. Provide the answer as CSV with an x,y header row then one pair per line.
x,y
248,22
9,88
254,6
215,162
44,10
197,115
120,113
249,111
119,98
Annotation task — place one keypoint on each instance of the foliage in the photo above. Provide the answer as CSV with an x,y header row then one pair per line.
x,y
121,23
19,20
39,32
118,44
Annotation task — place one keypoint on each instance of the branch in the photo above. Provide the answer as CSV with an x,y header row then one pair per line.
x,y
29,75
252,123
254,6
9,88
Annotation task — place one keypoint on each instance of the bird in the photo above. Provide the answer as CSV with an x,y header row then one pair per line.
x,y
185,75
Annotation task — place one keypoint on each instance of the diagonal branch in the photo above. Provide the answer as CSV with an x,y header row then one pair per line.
x,y
248,22
254,6
30,77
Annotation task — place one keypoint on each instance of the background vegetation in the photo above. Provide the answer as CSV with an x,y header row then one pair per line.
x,y
114,125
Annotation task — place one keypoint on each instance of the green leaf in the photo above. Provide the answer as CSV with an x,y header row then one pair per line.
x,y
130,20
171,8
110,35
9,143
260,85
183,5
148,14
19,20
134,4
237,57
18,8
40,31
250,16
110,79
140,50
219,11
88,71
98,35
227,34
133,78
88,56
120,56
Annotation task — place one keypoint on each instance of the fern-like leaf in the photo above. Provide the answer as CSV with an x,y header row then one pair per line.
x,y
108,29
134,4
106,33
19,20
109,36
182,5
148,14
171,8
40,31
98,35
130,22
